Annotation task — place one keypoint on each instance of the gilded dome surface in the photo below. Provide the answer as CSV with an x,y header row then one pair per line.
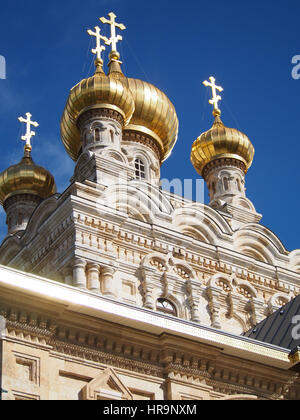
x,y
26,178
221,142
154,115
108,91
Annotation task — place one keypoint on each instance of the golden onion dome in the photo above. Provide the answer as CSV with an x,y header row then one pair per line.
x,y
154,115
26,178
109,92
221,142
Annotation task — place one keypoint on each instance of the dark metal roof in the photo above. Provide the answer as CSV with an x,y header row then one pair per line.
x,y
277,328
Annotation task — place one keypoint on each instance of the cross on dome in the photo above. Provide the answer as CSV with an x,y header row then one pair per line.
x,y
215,98
114,39
99,48
29,133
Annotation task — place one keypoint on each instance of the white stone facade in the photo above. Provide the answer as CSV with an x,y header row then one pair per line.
x,y
125,238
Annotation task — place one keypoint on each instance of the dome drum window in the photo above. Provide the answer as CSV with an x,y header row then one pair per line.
x,y
140,169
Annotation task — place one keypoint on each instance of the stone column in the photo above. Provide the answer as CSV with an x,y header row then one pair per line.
x,y
257,308
193,290
233,304
148,286
108,287
214,306
79,276
93,280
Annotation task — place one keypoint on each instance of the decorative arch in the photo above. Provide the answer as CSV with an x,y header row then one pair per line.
x,y
254,244
242,201
200,223
260,243
163,276
182,269
294,260
227,295
136,201
157,260
222,282
243,287
278,300
38,217
114,154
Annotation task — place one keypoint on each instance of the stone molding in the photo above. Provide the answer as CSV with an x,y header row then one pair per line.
x,y
218,163
99,113
177,359
146,140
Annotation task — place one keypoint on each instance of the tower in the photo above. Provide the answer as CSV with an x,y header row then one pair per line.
x,y
222,156
23,186
126,126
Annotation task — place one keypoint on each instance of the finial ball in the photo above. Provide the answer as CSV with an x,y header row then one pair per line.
x,y
114,55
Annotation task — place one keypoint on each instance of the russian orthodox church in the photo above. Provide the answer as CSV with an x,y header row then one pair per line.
x,y
116,289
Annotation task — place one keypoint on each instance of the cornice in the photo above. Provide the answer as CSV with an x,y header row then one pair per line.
x,y
99,307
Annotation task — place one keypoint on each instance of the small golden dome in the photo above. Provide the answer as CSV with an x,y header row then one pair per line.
x,y
221,142
154,115
103,91
26,178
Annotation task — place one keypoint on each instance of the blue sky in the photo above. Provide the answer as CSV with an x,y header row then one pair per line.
x,y
247,46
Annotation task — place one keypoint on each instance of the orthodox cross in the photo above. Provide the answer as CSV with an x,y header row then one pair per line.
x,y
29,133
113,25
99,48
215,98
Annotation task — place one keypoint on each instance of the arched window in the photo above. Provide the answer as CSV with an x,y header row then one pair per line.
x,y
112,136
225,180
97,135
166,307
140,170
213,187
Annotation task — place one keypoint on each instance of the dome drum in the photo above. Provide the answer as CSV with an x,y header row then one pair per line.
x,y
223,162
96,113
131,135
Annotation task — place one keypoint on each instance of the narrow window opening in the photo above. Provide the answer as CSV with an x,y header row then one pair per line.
x,y
225,183
112,136
213,187
97,135
140,171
